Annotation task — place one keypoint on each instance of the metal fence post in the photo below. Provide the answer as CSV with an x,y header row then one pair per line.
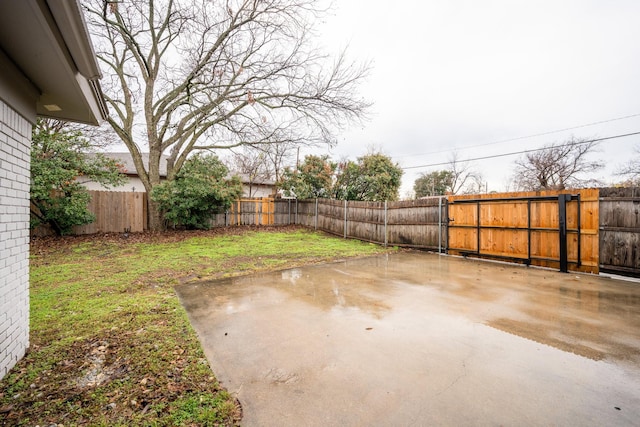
x,y
440,224
345,218
259,211
386,239
562,225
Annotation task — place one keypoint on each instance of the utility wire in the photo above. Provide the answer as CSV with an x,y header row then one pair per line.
x,y
494,156
528,136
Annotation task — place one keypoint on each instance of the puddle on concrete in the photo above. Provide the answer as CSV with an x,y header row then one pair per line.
x,y
418,338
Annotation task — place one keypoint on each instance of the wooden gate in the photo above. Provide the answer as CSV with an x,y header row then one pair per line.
x,y
116,212
620,231
550,229
256,211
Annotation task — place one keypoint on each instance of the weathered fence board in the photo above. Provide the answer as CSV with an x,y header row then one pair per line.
x,y
257,211
415,223
366,220
331,215
305,213
116,212
284,211
418,223
620,230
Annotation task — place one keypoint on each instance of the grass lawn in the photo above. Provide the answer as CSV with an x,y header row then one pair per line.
x,y
110,342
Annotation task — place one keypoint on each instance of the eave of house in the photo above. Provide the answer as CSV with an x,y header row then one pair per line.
x,y
47,43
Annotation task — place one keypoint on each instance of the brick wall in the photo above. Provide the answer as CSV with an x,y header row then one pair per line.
x,y
15,136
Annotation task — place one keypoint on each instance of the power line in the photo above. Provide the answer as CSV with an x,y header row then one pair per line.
x,y
494,156
529,136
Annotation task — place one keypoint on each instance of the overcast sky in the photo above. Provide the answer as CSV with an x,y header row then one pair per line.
x,y
452,74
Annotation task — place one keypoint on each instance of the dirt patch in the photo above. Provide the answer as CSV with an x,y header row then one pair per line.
x,y
100,369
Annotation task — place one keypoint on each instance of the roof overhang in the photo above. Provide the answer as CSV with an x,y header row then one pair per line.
x,y
48,43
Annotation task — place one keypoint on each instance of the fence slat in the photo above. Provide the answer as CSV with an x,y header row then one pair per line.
x,y
414,223
116,212
619,240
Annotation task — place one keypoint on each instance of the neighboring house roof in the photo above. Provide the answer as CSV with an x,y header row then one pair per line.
x,y
129,167
45,46
246,179
126,161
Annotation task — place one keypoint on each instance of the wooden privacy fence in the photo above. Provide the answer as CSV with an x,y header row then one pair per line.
x,y
620,230
552,229
418,223
414,223
257,211
583,230
548,228
116,212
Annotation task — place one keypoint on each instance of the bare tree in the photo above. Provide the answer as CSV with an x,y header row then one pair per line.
x,y
279,156
253,165
558,166
187,75
631,170
463,178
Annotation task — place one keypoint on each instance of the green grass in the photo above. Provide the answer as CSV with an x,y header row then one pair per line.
x,y
110,342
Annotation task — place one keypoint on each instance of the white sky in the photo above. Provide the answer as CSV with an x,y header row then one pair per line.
x,y
450,74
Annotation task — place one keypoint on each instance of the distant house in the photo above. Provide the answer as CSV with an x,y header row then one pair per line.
x,y
250,187
47,68
133,183
257,187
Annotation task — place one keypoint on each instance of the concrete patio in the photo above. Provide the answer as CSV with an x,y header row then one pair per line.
x,y
421,339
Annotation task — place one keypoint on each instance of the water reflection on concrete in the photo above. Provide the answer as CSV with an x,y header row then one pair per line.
x,y
416,338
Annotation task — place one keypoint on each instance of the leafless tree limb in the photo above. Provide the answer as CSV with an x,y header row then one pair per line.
x,y
464,178
631,169
558,166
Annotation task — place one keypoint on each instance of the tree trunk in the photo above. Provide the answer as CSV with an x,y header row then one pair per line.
x,y
156,219
154,216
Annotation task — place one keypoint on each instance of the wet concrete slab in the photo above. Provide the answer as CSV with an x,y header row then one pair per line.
x,y
421,339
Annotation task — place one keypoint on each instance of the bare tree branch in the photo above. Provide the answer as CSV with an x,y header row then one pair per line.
x,y
463,176
558,166
253,165
631,169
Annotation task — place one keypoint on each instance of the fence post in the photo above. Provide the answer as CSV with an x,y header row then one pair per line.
x,y
385,224
289,211
316,221
345,218
272,211
296,218
562,225
440,224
